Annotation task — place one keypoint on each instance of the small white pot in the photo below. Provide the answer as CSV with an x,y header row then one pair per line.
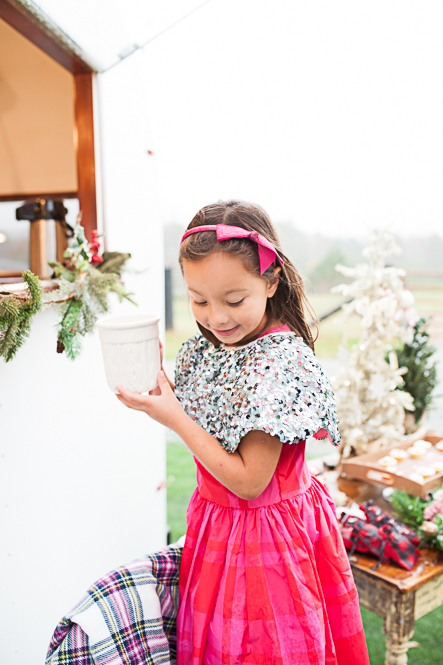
x,y
131,352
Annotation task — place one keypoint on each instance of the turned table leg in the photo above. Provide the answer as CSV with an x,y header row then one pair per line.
x,y
399,627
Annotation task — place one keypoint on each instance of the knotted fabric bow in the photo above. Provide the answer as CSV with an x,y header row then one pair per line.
x,y
266,251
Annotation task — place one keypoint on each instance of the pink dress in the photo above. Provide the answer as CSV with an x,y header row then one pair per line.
x,y
267,582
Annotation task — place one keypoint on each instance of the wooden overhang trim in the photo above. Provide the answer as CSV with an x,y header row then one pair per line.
x,y
33,24
38,195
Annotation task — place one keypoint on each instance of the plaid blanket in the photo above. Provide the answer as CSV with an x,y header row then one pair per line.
x,y
125,618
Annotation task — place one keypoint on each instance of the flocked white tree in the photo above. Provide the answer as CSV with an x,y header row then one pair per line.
x,y
371,408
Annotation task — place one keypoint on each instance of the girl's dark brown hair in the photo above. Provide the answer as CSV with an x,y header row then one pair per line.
x,y
289,302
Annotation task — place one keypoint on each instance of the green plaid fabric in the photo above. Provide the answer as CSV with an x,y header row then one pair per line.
x,y
127,617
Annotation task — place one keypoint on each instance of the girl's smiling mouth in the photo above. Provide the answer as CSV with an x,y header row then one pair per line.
x,y
226,333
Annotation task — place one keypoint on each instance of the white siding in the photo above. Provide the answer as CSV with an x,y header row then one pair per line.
x,y
79,472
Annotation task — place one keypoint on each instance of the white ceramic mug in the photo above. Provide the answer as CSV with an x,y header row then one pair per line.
x,y
131,352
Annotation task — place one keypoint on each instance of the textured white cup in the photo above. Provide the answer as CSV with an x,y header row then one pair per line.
x,y
131,352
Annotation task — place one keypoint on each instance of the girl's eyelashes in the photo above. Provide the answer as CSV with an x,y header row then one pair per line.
x,y
230,304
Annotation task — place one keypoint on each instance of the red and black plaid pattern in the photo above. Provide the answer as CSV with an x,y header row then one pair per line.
x,y
381,535
399,548
377,516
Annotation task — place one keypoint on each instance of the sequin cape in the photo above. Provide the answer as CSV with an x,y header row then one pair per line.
x,y
274,384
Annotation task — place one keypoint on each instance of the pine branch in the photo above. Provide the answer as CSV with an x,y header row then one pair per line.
x,y
9,310
119,289
409,508
421,377
16,315
34,301
70,343
113,262
67,338
10,341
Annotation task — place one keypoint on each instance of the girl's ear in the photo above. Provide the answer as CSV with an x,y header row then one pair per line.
x,y
273,283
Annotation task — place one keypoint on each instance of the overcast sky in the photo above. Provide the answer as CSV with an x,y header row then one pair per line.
x,y
329,114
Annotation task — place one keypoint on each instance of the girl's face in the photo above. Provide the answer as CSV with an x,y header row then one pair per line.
x,y
226,298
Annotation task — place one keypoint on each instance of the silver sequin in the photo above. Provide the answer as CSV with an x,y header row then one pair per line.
x,y
274,384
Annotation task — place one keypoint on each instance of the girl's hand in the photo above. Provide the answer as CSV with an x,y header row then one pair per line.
x,y
163,407
162,353
157,391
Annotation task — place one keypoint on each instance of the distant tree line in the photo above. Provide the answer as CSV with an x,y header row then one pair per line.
x,y
316,255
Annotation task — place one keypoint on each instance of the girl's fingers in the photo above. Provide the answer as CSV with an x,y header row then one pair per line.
x,y
133,400
163,382
130,405
137,398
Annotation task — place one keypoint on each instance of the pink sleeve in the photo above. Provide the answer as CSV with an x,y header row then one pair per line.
x,y
323,434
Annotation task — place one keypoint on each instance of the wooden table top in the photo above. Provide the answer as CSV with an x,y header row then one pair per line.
x,y
428,567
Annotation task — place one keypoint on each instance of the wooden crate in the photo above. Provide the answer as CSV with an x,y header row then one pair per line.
x,y
366,467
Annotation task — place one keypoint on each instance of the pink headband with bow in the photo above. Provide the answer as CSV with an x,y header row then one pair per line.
x,y
266,251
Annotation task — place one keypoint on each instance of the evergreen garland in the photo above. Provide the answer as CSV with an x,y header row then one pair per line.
x,y
421,377
88,278
69,329
84,281
16,313
412,510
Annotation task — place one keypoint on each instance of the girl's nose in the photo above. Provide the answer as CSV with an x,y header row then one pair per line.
x,y
218,316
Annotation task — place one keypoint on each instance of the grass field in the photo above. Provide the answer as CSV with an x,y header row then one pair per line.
x,y
427,630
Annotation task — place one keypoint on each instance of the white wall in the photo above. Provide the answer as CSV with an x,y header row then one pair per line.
x,y
79,471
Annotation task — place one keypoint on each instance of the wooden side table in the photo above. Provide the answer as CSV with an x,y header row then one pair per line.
x,y
398,596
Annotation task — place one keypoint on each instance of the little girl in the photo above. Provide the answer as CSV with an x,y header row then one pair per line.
x,y
264,578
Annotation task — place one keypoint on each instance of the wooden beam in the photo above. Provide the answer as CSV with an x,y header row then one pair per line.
x,y
38,195
44,35
84,123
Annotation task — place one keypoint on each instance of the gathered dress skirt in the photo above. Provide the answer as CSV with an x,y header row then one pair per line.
x,y
268,581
